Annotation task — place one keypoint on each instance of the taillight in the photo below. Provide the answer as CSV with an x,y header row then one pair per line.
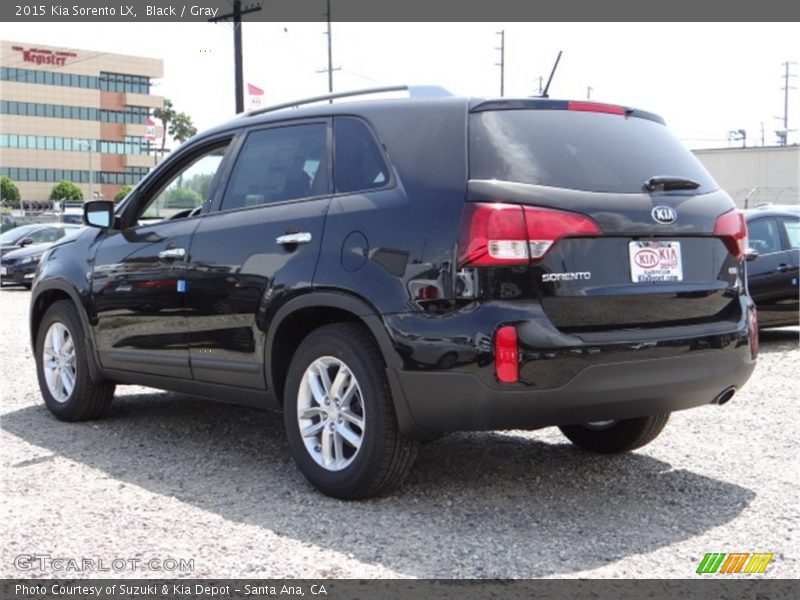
x,y
506,355
732,229
546,226
493,234
509,234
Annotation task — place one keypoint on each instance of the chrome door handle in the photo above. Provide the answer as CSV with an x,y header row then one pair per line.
x,y
172,253
290,239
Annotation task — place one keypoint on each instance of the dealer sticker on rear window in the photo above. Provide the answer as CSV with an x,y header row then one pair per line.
x,y
655,261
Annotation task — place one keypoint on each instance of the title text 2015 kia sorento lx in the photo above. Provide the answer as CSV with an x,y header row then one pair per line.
x,y
387,270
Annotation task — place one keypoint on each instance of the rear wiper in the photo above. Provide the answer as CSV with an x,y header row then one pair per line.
x,y
665,183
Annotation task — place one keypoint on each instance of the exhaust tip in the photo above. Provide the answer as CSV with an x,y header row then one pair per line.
x,y
725,396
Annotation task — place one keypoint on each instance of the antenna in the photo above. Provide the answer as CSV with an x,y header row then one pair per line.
x,y
553,72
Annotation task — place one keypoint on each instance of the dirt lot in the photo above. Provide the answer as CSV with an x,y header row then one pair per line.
x,y
167,476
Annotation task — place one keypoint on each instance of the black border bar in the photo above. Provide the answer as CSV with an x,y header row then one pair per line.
x,y
703,588
401,10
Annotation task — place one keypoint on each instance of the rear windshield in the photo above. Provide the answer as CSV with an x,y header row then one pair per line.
x,y
578,150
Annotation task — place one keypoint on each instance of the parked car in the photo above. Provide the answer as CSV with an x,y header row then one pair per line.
x,y
773,266
390,269
34,233
18,267
794,208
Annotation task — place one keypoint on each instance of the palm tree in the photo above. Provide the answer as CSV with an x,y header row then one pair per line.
x,y
181,128
165,114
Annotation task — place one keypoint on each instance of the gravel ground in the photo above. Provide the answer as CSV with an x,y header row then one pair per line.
x,y
171,476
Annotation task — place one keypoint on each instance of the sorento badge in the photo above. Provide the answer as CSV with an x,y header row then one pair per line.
x,y
664,214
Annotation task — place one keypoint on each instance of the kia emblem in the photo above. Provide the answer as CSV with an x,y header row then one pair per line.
x,y
664,215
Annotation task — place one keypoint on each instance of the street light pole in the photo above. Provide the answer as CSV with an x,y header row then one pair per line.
x,y
91,175
91,170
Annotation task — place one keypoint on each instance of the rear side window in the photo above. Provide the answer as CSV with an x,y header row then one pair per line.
x,y
578,150
284,163
358,162
793,233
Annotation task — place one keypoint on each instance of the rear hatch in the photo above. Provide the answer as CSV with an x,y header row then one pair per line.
x,y
621,225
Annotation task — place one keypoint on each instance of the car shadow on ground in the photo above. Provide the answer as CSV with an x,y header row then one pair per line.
x,y
475,505
779,340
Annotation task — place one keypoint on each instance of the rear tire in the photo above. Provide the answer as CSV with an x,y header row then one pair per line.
x,y
63,370
617,436
352,447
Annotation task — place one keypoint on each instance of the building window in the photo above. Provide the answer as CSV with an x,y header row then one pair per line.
x,y
131,145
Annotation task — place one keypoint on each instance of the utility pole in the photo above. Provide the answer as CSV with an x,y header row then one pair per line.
x,y
330,68
589,92
237,14
786,88
502,63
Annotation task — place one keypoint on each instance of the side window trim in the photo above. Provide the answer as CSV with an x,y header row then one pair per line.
x,y
219,194
177,164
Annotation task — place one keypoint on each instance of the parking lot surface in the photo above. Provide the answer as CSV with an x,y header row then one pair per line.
x,y
167,477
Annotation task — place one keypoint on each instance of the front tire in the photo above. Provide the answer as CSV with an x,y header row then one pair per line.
x,y
62,368
615,437
339,415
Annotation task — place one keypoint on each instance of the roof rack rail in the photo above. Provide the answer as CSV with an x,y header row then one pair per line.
x,y
414,91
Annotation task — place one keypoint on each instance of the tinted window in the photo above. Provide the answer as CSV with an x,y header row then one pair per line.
x,y
46,235
764,236
577,150
793,232
358,162
279,164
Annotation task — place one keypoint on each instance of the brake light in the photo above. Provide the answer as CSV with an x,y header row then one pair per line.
x,y
732,229
610,109
546,226
493,234
501,234
506,355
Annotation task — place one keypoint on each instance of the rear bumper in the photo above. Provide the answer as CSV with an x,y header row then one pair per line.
x,y
430,402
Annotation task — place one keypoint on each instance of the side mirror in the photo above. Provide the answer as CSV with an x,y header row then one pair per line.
x,y
25,242
98,213
751,255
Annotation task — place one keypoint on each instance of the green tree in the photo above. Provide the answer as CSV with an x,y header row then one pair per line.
x,y
66,190
182,197
123,191
181,128
165,114
9,192
200,182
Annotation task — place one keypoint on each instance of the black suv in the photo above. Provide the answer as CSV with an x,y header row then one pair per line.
x,y
389,270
